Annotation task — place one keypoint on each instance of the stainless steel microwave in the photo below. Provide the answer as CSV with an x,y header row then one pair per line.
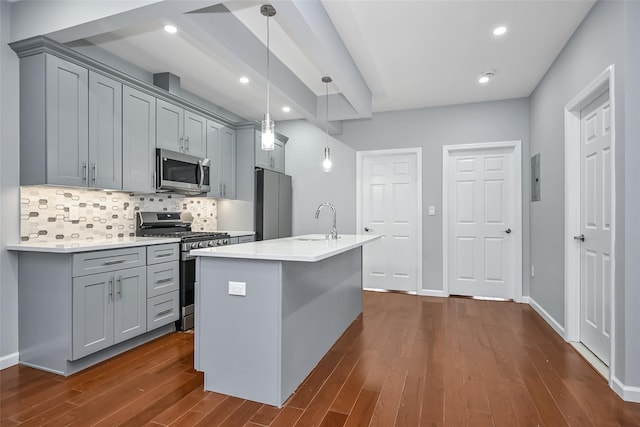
x,y
182,173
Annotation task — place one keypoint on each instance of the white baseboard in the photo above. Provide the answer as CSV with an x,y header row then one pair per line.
x,y
627,393
432,293
9,360
546,316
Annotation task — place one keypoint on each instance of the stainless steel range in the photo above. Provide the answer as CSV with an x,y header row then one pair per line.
x,y
170,224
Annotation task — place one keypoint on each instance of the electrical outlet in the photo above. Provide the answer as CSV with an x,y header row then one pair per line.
x,y
533,271
74,213
238,288
432,210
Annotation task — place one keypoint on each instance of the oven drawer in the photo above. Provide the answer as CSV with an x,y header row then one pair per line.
x,y
163,278
162,310
163,253
109,260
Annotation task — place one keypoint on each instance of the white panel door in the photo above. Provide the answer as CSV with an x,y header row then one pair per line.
x,y
481,258
389,207
595,253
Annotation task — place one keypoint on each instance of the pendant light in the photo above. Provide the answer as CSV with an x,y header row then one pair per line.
x,y
268,127
326,162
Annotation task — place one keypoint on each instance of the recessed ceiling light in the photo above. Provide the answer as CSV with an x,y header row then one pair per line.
x,y
286,108
171,29
244,80
486,76
498,31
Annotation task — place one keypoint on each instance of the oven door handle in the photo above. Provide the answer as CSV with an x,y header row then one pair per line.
x,y
186,256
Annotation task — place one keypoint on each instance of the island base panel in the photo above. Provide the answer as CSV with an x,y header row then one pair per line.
x,y
262,346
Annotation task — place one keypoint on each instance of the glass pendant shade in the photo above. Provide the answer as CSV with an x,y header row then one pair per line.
x,y
268,133
326,163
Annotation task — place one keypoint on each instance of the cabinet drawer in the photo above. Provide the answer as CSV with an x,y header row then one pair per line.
x,y
163,253
110,260
162,310
246,239
162,278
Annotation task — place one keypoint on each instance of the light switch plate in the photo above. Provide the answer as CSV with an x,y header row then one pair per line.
x,y
238,288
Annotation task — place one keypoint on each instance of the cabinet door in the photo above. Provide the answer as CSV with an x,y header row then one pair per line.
x,y
92,314
67,122
170,126
138,141
277,157
263,157
105,132
195,134
227,155
213,143
130,303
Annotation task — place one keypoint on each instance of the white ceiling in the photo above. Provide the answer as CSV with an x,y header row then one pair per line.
x,y
382,55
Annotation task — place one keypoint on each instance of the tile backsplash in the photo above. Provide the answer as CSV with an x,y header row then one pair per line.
x,y
49,214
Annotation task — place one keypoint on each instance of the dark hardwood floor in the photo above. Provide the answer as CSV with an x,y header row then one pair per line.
x,y
407,361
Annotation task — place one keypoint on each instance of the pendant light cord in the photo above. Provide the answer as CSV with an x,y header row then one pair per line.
x,y
327,142
268,64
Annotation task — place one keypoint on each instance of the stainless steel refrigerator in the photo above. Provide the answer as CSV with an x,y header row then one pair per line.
x,y
273,205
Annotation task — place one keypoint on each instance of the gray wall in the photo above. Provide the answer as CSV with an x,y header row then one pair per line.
x,y
9,191
608,35
312,186
431,129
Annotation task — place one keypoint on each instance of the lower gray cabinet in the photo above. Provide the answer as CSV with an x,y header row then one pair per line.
x,y
108,308
163,309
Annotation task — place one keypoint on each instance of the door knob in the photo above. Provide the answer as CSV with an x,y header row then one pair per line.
x,y
508,231
580,237
367,229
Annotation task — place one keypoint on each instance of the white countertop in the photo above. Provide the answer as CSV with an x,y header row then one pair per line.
x,y
69,247
307,248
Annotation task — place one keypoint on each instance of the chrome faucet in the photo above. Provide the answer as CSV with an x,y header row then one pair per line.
x,y
334,232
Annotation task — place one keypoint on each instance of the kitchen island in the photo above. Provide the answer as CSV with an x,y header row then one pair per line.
x,y
268,311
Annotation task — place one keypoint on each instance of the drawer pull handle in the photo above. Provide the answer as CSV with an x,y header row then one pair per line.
x,y
164,255
117,261
168,279
163,312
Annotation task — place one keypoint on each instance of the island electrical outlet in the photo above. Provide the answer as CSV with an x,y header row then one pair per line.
x,y
238,288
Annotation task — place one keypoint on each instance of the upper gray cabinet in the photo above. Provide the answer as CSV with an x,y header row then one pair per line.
x,y
71,126
138,140
180,130
272,159
105,132
221,149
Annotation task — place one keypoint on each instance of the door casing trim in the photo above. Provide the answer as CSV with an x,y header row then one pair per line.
x,y
572,223
447,152
417,151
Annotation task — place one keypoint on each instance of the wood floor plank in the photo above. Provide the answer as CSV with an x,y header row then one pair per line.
x,y
406,361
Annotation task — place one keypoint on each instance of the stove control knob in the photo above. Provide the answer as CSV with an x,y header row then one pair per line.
x,y
211,243
220,242
203,244
194,245
226,242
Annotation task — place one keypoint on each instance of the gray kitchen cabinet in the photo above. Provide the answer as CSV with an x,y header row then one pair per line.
x,y
180,130
221,149
110,305
163,284
272,159
70,124
108,308
138,140
79,309
105,132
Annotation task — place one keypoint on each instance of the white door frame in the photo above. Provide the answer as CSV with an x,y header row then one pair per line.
x,y
572,220
417,151
447,152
